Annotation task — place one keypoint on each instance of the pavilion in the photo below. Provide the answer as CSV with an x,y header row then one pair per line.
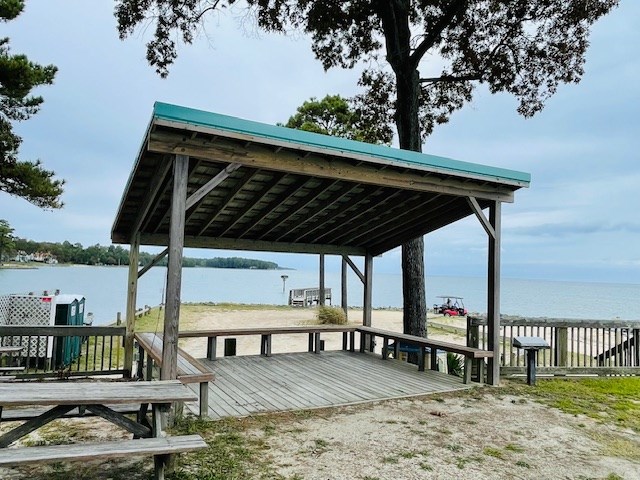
x,y
206,180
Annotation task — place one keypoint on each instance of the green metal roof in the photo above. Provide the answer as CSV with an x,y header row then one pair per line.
x,y
190,116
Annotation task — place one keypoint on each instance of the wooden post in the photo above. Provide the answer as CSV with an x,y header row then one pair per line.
x,y
368,291
132,293
169,370
493,294
561,347
343,296
321,293
473,340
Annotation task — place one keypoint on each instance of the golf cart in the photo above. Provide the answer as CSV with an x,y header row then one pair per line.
x,y
451,306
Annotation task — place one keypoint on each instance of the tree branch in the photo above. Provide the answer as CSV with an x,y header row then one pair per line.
x,y
453,78
430,38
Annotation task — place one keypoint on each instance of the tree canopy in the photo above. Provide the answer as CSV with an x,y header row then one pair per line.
x,y
341,117
6,238
18,77
427,56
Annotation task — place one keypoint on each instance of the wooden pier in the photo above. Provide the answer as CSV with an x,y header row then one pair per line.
x,y
248,385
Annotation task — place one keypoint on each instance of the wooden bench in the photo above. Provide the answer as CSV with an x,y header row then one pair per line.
x,y
190,370
470,354
314,332
159,447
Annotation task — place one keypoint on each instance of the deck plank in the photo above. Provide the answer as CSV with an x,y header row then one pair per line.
x,y
246,385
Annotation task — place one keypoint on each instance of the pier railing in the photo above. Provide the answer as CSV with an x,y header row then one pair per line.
x,y
61,351
578,347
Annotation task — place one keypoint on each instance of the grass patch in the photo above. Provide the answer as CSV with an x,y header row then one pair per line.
x,y
514,448
493,452
607,400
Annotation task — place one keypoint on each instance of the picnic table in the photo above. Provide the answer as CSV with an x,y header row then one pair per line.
x,y
98,398
93,396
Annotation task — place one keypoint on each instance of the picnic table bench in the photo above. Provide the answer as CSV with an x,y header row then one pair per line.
x,y
95,396
190,370
314,332
470,354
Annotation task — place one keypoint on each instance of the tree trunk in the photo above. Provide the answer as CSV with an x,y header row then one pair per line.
x,y
397,32
413,284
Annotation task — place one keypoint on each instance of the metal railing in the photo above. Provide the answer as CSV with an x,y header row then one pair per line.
x,y
62,351
594,347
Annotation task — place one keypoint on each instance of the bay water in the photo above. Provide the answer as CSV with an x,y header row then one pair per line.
x,y
105,290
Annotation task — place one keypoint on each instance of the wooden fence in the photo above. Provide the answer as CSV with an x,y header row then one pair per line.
x,y
578,347
62,351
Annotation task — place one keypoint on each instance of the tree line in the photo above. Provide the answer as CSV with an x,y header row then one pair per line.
x,y
75,253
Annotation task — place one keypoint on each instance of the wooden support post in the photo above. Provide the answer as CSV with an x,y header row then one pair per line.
x,y
311,339
473,340
321,293
169,370
212,343
352,341
204,399
468,365
343,296
493,294
434,359
345,341
385,348
132,293
140,369
368,295
561,347
317,343
149,372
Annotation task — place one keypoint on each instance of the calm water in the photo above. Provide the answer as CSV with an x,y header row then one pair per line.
x,y
105,290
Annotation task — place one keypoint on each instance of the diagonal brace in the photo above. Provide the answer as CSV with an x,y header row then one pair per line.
x,y
354,267
475,206
211,184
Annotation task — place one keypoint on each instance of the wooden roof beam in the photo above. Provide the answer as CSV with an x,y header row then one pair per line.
x,y
275,203
310,197
405,233
384,221
317,165
364,214
192,241
252,204
248,176
336,197
152,195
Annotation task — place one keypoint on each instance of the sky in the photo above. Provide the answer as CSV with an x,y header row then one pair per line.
x,y
578,221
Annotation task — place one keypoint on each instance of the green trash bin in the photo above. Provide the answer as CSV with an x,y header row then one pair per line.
x,y
69,311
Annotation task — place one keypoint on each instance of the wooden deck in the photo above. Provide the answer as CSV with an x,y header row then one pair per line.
x,y
247,385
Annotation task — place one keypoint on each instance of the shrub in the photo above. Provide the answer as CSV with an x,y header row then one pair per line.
x,y
455,364
331,316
